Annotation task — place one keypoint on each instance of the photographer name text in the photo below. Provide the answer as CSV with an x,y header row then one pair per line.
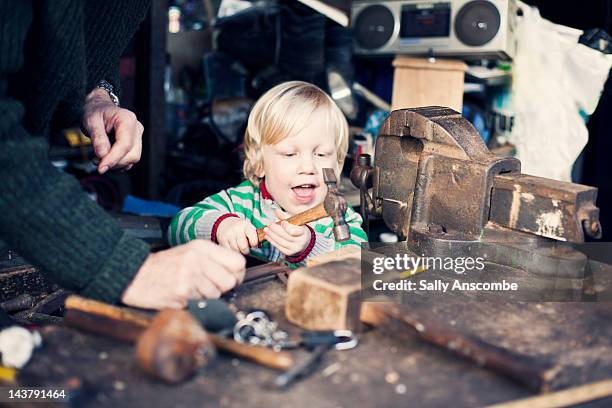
x,y
439,285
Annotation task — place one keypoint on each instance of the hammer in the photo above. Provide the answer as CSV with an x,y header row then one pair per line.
x,y
171,346
334,205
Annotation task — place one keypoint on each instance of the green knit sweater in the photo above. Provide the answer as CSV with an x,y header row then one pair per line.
x,y
52,53
257,206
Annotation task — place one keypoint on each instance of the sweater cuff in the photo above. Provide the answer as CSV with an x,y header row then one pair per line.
x,y
302,255
322,245
118,271
213,232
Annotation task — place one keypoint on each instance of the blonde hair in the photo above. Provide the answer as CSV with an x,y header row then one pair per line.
x,y
283,111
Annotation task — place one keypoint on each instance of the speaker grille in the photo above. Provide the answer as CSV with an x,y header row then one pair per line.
x,y
373,27
477,23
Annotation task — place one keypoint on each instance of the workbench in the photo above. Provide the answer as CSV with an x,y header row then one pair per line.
x,y
389,368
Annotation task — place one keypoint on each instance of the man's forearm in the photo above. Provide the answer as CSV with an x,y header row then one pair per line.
x,y
48,219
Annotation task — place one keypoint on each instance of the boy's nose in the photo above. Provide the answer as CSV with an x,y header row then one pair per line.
x,y
306,166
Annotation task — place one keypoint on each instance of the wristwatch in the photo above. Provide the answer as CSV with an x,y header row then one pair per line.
x,y
110,89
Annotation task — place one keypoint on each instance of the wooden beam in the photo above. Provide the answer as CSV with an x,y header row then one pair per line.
x,y
563,398
150,45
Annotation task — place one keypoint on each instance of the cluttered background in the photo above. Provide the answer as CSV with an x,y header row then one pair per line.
x,y
534,85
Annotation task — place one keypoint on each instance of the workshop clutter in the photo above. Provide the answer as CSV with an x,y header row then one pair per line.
x,y
17,345
463,201
174,345
257,46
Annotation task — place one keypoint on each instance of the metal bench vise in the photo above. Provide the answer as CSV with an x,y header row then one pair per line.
x,y
436,185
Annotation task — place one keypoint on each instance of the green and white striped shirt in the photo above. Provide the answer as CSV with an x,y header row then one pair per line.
x,y
249,202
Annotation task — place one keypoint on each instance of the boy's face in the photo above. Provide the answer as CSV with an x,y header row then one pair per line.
x,y
293,166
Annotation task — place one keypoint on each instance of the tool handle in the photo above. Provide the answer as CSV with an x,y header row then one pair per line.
x,y
301,368
107,320
126,325
313,214
280,360
106,326
74,302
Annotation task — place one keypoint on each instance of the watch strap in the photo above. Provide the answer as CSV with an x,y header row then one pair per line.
x,y
110,89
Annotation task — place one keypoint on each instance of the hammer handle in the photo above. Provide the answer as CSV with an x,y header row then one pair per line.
x,y
313,214
74,302
280,360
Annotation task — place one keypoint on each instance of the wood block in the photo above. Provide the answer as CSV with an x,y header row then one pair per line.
x,y
418,82
347,252
326,296
372,313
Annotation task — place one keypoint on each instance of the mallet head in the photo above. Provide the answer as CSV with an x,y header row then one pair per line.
x,y
174,346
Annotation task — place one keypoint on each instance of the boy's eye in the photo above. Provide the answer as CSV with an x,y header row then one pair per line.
x,y
321,154
288,154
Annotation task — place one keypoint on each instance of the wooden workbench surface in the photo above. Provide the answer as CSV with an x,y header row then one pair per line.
x,y
389,368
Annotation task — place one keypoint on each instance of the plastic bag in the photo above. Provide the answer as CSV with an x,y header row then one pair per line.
x,y
556,83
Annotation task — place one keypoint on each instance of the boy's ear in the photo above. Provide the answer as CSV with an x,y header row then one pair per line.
x,y
260,172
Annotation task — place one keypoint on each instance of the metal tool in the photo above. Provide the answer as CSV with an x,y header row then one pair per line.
x,y
258,329
334,205
338,339
436,184
320,343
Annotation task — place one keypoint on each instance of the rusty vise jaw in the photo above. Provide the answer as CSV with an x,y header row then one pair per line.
x,y
434,176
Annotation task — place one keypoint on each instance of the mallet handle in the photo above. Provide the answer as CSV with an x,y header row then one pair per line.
x,y
127,325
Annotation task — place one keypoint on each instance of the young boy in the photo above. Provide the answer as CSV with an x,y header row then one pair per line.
x,y
293,132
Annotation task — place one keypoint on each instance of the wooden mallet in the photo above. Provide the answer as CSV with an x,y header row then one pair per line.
x,y
334,205
170,346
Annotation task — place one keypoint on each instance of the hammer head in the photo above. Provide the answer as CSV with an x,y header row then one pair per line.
x,y
335,206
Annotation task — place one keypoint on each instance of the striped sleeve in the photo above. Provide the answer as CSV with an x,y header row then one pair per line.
x,y
197,221
325,241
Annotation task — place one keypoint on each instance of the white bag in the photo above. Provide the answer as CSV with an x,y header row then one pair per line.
x,y
554,79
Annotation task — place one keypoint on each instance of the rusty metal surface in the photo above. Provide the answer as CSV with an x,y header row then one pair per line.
x,y
335,205
437,186
549,208
432,170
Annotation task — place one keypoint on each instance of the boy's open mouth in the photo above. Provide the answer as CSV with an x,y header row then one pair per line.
x,y
304,192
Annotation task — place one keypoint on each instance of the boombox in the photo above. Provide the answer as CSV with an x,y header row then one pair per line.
x,y
462,28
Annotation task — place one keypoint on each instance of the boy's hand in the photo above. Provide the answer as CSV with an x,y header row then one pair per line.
x,y
237,234
288,238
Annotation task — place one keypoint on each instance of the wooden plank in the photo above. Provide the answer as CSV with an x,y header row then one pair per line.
x,y
418,82
24,279
345,378
390,367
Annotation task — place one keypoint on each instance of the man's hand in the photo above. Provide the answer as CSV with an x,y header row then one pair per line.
x,y
237,234
196,270
288,238
101,117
